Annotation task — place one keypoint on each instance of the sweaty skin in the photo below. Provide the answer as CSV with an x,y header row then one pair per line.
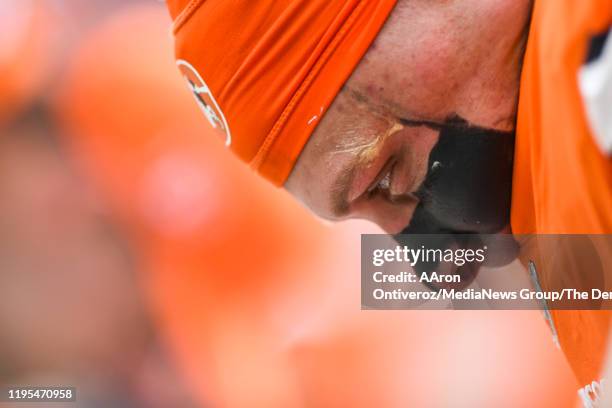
x,y
436,63
368,153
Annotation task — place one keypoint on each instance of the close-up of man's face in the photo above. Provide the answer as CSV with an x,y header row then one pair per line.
x,y
306,203
421,137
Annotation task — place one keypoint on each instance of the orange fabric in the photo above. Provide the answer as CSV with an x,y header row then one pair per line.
x,y
266,71
562,181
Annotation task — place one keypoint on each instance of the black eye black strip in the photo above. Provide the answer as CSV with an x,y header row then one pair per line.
x,y
454,122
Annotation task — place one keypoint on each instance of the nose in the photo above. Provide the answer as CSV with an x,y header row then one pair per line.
x,y
393,218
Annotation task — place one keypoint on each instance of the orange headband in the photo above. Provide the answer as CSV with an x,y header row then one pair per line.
x,y
265,71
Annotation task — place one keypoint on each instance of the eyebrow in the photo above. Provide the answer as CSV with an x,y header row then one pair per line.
x,y
342,185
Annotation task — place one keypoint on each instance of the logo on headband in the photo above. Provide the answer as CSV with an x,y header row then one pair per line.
x,y
205,99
